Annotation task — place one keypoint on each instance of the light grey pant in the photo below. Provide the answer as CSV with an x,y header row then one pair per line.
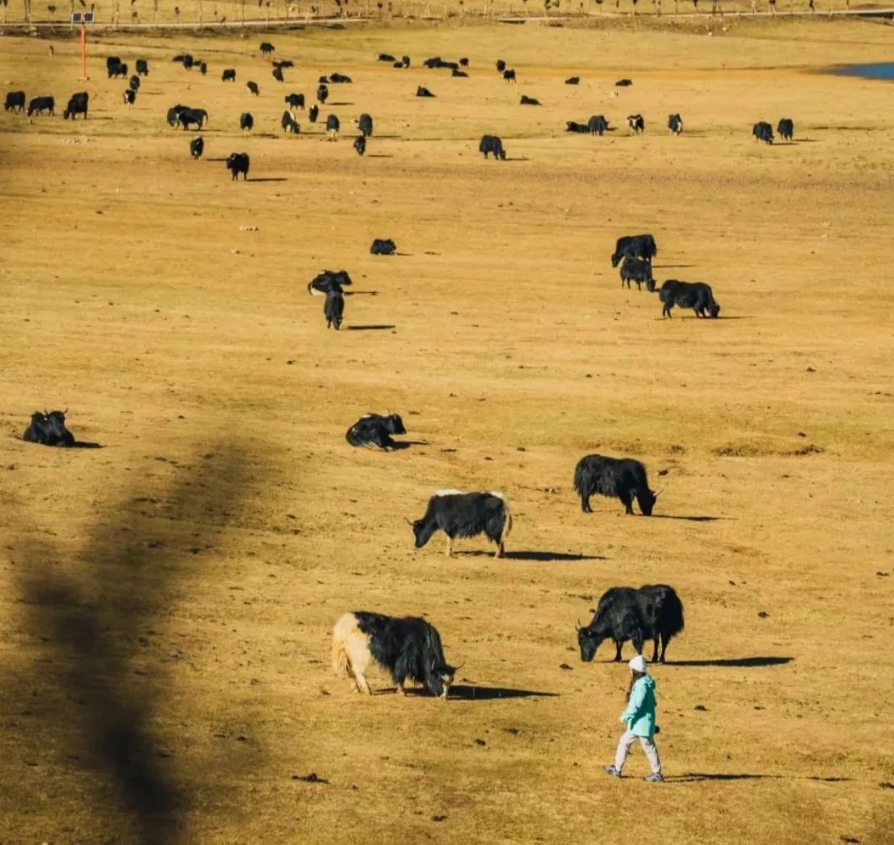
x,y
648,744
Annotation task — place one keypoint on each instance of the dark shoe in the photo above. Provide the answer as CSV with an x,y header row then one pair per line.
x,y
654,779
611,770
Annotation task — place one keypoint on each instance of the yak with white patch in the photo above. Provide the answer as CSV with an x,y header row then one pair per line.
x,y
409,648
48,429
653,612
616,478
375,430
460,514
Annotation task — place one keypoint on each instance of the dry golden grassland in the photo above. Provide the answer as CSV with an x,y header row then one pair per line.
x,y
166,602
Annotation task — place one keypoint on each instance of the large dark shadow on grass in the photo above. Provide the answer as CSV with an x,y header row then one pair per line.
x,y
735,662
93,624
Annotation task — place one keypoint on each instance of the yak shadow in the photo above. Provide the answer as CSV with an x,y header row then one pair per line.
x,y
216,159
370,328
86,444
400,445
689,518
378,155
736,662
339,104
673,266
546,557
462,692
270,179
696,777
516,158
361,293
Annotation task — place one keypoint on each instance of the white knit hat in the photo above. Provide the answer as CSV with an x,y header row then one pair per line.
x,y
638,664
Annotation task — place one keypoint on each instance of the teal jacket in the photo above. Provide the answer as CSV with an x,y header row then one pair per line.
x,y
640,712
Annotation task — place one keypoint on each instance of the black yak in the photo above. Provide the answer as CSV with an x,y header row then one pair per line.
x,y
621,478
48,429
460,514
375,430
653,612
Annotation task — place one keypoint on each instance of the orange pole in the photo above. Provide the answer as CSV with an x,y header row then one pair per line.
x,y
83,51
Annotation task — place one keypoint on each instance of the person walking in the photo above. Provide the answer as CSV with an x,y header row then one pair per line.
x,y
640,719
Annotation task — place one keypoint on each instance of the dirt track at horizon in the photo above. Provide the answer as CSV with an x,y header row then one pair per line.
x,y
207,550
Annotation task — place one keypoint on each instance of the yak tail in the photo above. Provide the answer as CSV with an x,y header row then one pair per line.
x,y
582,480
507,522
340,663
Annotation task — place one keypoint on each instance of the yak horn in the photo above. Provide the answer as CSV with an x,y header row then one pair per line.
x,y
408,521
578,626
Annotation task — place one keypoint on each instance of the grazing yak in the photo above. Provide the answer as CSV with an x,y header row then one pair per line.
x,y
130,96
385,57
695,295
624,83
334,309
653,612
15,101
360,144
501,65
405,61
529,101
267,48
340,79
289,124
333,124
295,101
246,122
197,147
42,104
238,163
464,61
597,125
365,125
329,280
313,112
203,68
573,80
323,93
77,104
134,83
675,124
492,144
639,271
409,649
621,478
573,126
634,246
762,131
186,116
119,69
375,430
277,74
636,124
142,67
786,129
49,429
229,75
252,88
383,247
509,76
460,514
116,60
423,92
461,74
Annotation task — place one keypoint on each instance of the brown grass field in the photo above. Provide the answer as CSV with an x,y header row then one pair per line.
x,y
166,602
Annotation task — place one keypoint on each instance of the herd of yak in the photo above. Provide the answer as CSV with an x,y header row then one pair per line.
x,y
410,648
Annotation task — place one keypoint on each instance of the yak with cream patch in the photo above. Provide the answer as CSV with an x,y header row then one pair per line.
x,y
409,648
